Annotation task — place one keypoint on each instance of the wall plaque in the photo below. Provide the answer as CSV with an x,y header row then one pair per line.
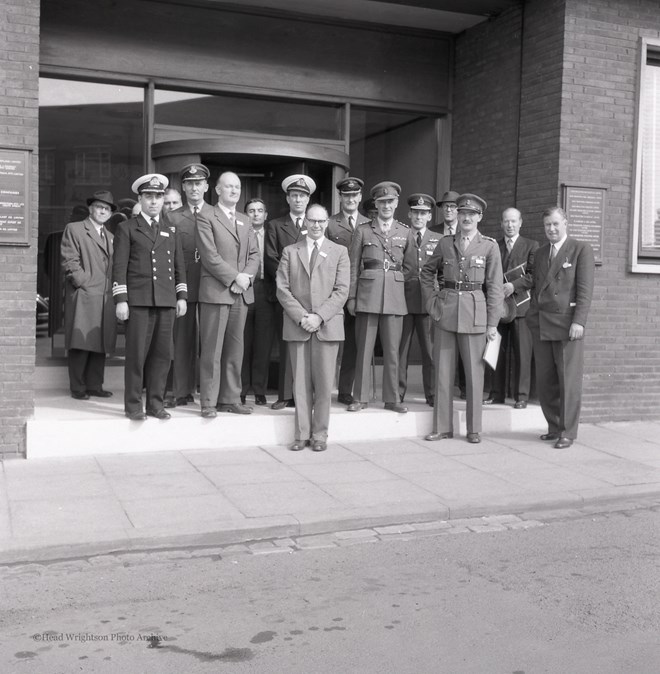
x,y
585,208
14,197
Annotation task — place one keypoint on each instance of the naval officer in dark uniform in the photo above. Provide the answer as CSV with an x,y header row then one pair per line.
x,y
465,316
149,289
381,257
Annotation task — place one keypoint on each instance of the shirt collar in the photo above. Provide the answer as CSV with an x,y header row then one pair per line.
x,y
227,211
311,242
560,243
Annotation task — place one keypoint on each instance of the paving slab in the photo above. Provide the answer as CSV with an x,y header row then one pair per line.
x,y
373,493
227,456
335,453
258,473
352,471
26,487
144,464
160,485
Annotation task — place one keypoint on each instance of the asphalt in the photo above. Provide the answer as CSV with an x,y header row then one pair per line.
x,y
72,507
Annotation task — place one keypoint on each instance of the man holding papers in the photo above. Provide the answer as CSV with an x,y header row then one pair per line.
x,y
465,318
516,348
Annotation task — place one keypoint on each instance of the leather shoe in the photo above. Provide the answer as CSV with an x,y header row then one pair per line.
x,y
235,409
297,445
100,393
242,400
136,416
319,446
280,404
209,412
80,395
430,401
520,405
494,401
438,436
356,406
550,436
396,407
260,400
345,399
159,414
474,438
563,443
190,397
182,401
169,402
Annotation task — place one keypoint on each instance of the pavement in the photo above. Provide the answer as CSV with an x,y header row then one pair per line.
x,y
63,508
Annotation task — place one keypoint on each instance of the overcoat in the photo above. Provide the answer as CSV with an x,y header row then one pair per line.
x,y
89,314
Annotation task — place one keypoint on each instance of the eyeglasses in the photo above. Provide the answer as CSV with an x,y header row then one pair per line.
x,y
451,207
316,222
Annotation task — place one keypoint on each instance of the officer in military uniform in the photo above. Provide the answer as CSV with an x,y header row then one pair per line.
x,y
465,317
341,227
418,320
382,255
149,289
194,182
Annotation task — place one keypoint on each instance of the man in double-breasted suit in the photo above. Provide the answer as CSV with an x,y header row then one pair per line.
x,y
312,286
465,317
149,289
194,182
341,227
518,266
381,258
417,320
562,289
90,327
280,233
230,259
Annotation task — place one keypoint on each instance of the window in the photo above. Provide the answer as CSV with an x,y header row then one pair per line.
x,y
646,204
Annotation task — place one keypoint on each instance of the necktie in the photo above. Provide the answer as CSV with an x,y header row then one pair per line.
x,y
154,226
260,233
195,212
419,239
350,221
509,244
464,243
298,221
553,253
451,231
313,256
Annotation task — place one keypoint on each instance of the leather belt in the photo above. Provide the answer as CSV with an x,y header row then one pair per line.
x,y
385,265
462,285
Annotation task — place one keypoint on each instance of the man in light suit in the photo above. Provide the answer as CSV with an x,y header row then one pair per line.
x,y
230,259
418,320
194,182
341,227
312,286
282,232
518,261
563,284
90,326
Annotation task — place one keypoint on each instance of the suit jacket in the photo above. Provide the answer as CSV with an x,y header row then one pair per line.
x,y
321,291
413,288
376,287
225,251
89,313
464,311
561,292
148,268
184,221
340,231
523,251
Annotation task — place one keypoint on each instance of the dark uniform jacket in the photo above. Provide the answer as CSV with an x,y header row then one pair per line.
x,y
340,231
412,285
523,252
562,292
379,266
184,220
464,308
279,233
148,268
89,313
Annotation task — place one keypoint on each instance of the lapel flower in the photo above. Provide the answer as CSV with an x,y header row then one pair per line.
x,y
566,264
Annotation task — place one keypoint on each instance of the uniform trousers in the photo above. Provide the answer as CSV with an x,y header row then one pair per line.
x,y
517,343
348,356
186,348
258,341
285,373
86,370
221,328
471,348
148,356
313,363
559,367
421,324
367,326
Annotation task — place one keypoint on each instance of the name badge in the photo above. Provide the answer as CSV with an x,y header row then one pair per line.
x,y
429,252
164,233
322,254
303,231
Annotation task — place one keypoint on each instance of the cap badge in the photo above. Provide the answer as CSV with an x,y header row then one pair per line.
x,y
193,170
154,182
420,201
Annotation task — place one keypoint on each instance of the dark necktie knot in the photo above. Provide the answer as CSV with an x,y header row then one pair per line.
x,y
419,239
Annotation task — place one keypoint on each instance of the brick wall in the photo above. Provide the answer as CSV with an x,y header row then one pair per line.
x,y
19,72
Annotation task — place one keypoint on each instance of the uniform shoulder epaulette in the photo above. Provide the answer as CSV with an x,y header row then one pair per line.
x,y
488,238
364,224
403,224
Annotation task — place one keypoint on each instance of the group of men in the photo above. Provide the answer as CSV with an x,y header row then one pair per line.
x,y
208,288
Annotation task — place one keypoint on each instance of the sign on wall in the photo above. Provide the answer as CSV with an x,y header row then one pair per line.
x,y
585,208
14,197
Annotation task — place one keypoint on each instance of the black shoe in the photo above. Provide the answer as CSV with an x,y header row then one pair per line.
x,y
438,436
319,446
430,401
345,399
170,402
190,398
80,395
280,404
243,399
474,438
356,406
235,408
563,443
209,412
136,416
520,405
260,400
161,414
396,407
550,436
297,445
100,393
494,401
182,401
